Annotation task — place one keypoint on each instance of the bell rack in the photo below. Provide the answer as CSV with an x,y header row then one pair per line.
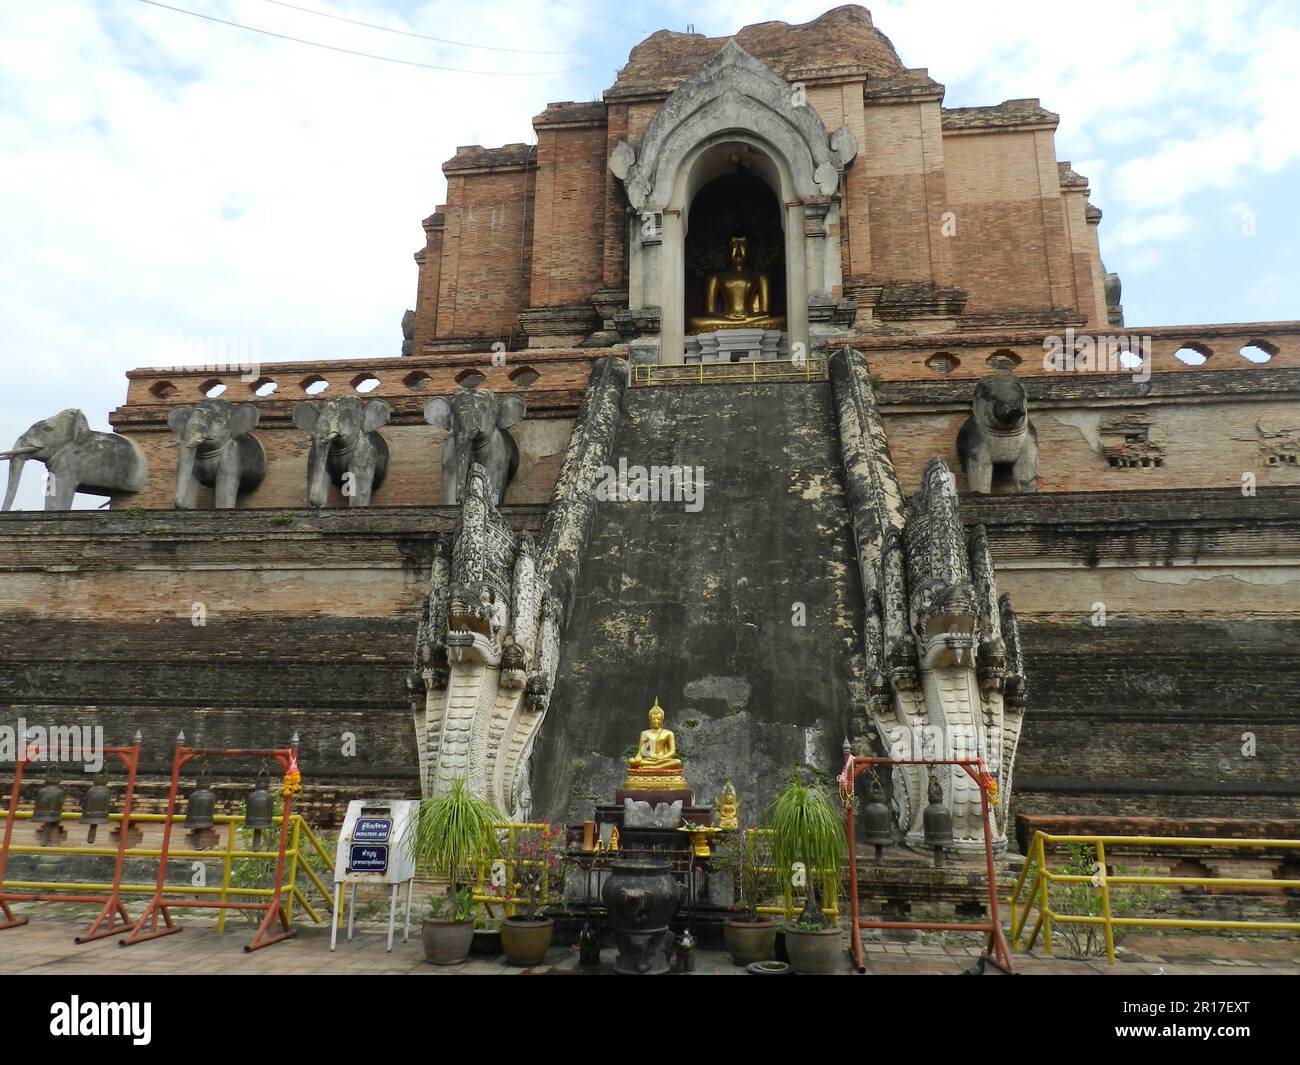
x,y
996,951
106,923
147,926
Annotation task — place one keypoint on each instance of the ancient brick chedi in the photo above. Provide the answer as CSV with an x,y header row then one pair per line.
x,y
586,236
762,385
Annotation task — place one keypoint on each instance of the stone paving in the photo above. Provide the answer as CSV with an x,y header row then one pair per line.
x,y
45,947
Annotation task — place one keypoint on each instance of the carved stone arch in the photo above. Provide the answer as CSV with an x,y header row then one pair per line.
x,y
732,91
734,98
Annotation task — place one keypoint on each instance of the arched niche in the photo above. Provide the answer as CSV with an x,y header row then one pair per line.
x,y
733,103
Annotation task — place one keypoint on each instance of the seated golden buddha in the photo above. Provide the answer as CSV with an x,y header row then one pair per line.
x,y
655,764
737,298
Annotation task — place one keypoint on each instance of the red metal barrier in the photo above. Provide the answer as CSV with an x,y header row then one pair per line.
x,y
112,902
147,926
996,951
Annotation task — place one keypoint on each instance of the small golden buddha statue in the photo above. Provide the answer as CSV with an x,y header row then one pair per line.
x,y
728,807
655,766
738,298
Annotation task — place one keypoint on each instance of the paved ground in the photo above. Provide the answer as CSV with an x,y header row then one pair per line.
x,y
45,946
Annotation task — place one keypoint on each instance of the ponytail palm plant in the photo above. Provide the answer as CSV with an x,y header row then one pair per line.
x,y
453,831
807,827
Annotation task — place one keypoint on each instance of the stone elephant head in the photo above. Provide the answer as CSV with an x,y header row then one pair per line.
x,y
346,447
77,458
998,433
477,421
217,451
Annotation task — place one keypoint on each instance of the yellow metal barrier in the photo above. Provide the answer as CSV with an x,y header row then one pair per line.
x,y
805,369
1026,896
292,891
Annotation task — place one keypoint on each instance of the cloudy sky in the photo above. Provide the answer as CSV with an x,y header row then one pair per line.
x,y
165,177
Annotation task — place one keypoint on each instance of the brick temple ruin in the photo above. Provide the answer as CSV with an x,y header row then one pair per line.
x,y
908,251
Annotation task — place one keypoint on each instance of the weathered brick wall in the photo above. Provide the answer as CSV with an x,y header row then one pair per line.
x,y
894,177
1003,255
568,233
429,263
487,242
309,625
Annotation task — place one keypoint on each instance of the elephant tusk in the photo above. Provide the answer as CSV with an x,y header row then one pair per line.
x,y
18,453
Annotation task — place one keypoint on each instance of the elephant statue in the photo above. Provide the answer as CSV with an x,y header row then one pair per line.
x,y
999,433
77,460
478,421
217,451
346,447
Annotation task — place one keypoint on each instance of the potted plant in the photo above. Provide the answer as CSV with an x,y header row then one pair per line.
x,y
536,879
452,831
807,827
749,937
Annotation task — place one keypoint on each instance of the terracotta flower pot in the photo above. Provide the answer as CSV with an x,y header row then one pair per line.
x,y
525,940
814,953
750,941
447,942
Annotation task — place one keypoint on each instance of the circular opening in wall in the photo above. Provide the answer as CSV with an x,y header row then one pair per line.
x,y
470,379
1192,354
524,376
212,389
162,390
1003,359
1129,361
314,385
365,383
1259,351
943,362
264,386
417,379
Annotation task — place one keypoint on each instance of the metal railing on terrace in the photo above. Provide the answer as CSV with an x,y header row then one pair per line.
x,y
1034,888
754,370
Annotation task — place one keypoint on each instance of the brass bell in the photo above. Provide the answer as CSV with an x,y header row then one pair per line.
x,y
202,809
937,820
877,825
259,809
94,809
49,803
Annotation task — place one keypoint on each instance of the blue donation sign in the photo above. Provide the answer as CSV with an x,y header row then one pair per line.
x,y
372,830
368,859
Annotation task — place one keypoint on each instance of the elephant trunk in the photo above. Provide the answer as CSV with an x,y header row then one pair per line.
x,y
185,477
17,461
318,475
465,442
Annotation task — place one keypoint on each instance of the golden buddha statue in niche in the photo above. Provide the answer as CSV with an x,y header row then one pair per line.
x,y
657,746
738,298
655,767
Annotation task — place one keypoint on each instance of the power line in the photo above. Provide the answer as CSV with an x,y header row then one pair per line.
x,y
602,18
364,55
425,36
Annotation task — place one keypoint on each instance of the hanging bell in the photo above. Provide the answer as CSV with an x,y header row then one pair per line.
x,y
259,809
938,821
49,804
94,809
877,825
202,809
